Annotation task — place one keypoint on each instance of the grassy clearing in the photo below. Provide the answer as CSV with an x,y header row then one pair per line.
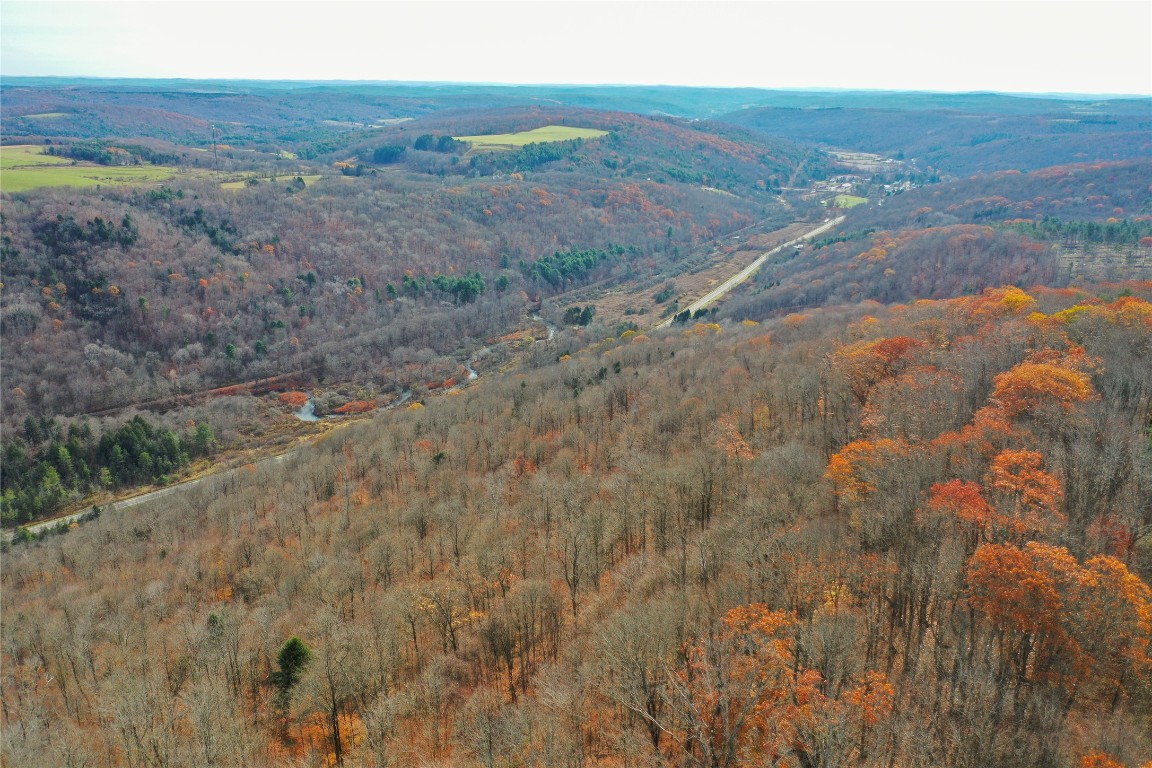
x,y
504,141
44,115
848,201
23,167
25,155
281,179
23,179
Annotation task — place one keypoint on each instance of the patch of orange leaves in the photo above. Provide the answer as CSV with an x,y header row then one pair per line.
x,y
294,399
355,406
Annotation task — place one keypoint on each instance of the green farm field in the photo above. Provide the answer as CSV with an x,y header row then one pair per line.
x,y
23,167
501,141
848,201
21,155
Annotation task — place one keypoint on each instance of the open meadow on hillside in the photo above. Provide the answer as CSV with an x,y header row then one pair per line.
x,y
25,178
24,167
498,141
28,155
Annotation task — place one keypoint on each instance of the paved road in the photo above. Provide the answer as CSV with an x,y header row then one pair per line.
x,y
749,270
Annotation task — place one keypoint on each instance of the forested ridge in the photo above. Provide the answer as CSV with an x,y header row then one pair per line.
x,y
642,148
963,236
914,534
893,507
967,134
50,463
115,297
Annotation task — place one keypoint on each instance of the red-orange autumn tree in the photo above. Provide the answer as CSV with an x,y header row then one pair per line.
x,y
1031,496
960,503
1022,592
741,694
1087,627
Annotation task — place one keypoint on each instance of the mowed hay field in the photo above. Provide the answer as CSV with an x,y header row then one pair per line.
x,y
20,155
848,201
502,141
23,167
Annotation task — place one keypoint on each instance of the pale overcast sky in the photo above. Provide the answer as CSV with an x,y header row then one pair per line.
x,y
1026,46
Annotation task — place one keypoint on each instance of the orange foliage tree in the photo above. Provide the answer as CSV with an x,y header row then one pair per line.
x,y
741,694
1022,593
1032,495
1100,760
1117,620
867,362
744,698
870,703
1086,627
1030,385
857,468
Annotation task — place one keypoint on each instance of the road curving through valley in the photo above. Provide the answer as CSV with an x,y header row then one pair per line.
x,y
719,291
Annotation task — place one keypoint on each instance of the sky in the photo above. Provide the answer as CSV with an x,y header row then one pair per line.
x,y
1022,46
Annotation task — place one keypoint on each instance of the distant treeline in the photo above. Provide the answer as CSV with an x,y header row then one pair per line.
x,y
526,158
430,143
107,154
564,265
1123,232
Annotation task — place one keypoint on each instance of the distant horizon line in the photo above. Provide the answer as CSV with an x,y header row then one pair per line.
x,y
494,84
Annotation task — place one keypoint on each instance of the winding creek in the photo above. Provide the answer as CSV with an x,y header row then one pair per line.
x,y
307,411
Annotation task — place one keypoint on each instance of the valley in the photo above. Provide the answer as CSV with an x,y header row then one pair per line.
x,y
649,426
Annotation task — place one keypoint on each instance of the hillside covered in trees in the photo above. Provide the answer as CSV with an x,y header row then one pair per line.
x,y
963,134
379,282
888,503
1056,226
873,535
